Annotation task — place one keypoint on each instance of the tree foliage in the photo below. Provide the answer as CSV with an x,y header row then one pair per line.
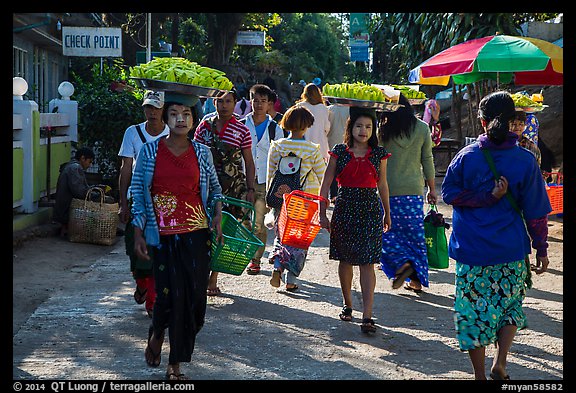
x,y
407,39
297,46
105,114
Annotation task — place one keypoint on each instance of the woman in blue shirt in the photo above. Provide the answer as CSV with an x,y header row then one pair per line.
x,y
489,241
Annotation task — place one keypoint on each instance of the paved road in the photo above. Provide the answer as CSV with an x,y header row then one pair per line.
x,y
92,329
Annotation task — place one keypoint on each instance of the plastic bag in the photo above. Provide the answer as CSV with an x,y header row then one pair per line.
x,y
436,242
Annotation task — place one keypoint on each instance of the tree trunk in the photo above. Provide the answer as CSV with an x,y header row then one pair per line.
x,y
222,32
471,123
456,111
174,33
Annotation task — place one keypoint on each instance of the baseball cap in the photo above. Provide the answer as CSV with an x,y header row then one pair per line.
x,y
154,98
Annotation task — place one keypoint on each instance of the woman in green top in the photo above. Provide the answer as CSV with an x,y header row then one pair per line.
x,y
410,165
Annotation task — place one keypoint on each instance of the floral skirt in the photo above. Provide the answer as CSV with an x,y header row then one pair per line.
x,y
405,241
487,299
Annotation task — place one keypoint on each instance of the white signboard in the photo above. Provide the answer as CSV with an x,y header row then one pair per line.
x,y
92,41
251,38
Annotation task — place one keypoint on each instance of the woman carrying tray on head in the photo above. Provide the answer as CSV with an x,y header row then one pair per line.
x,y
362,210
289,261
174,182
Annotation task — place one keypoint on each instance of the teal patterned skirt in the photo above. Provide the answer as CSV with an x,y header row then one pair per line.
x,y
487,299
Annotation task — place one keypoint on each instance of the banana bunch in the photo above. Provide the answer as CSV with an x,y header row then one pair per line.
x,y
409,92
357,91
178,69
521,100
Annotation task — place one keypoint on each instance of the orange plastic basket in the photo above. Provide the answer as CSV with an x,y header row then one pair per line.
x,y
299,221
555,193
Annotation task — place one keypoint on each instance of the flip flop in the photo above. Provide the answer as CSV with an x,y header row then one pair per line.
x,y
175,376
498,377
409,288
157,357
140,296
292,289
213,291
398,280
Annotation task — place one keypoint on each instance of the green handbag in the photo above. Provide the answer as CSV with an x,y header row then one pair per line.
x,y
436,242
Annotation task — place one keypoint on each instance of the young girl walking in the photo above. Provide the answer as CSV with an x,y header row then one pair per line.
x,y
361,212
289,261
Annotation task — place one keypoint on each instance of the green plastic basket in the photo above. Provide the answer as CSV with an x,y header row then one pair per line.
x,y
238,245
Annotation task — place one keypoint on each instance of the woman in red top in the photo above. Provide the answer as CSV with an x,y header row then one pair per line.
x,y
361,212
174,184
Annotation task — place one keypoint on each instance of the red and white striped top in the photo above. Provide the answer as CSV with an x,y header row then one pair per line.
x,y
233,133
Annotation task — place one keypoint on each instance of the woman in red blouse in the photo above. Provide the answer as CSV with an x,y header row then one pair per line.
x,y
362,210
174,183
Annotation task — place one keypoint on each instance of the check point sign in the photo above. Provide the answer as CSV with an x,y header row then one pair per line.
x,y
92,41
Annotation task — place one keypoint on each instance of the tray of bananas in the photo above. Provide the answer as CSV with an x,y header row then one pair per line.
x,y
179,75
378,105
177,87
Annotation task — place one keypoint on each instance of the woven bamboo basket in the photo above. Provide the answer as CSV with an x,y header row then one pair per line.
x,y
93,222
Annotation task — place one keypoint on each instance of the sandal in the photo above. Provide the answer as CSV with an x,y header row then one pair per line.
x,y
346,314
398,280
213,291
292,289
149,353
253,268
411,288
368,326
499,377
140,296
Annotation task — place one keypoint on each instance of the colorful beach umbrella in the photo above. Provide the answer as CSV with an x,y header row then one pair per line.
x,y
504,58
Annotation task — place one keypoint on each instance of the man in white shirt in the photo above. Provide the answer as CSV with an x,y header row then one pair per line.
x,y
257,122
134,138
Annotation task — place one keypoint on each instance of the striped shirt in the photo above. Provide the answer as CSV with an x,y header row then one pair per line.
x,y
143,207
312,166
233,133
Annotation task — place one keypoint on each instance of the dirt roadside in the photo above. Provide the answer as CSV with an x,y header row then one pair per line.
x,y
255,331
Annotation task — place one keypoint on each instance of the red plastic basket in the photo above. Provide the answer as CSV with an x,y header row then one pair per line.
x,y
555,193
299,221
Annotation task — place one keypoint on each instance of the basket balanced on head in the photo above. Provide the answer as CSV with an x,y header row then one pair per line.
x,y
238,245
299,221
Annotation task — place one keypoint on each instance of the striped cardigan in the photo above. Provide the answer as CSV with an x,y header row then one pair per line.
x,y
142,206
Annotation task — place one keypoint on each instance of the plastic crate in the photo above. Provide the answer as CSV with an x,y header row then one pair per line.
x,y
299,220
555,193
238,245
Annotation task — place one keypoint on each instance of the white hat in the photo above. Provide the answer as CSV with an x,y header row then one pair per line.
x,y
154,98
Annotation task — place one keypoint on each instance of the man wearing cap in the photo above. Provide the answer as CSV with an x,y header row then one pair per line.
x,y
134,138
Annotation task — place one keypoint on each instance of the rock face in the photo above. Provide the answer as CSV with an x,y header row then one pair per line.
x,y
551,121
